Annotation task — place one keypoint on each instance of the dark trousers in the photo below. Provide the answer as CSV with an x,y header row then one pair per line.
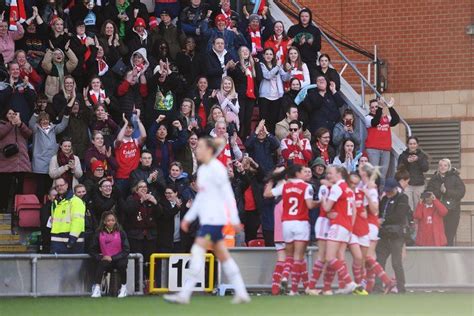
x,y
451,223
251,224
269,237
43,184
104,266
270,112
10,184
392,247
245,115
61,248
146,247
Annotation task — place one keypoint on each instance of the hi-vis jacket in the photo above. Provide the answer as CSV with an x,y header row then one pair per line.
x,y
67,217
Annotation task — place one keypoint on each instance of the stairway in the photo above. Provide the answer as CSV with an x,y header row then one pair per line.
x,y
9,242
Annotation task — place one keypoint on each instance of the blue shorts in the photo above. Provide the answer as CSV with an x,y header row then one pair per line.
x,y
211,232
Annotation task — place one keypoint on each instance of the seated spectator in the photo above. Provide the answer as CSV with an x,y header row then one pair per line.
x,y
262,146
179,179
231,150
27,71
57,66
170,33
347,129
162,147
448,187
346,157
218,61
141,221
127,153
65,164
271,89
203,99
282,128
34,39
187,155
322,146
295,149
78,128
8,38
279,42
188,117
296,68
102,152
416,162
67,218
322,107
102,122
229,101
111,249
172,208
378,143
329,73
429,216
13,163
18,93
44,148
307,38
106,198
192,16
149,173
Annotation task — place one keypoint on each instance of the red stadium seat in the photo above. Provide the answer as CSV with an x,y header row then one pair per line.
x,y
256,243
29,184
27,208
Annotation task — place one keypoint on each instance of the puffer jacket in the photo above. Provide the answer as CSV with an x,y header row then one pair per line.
x,y
455,189
417,168
19,162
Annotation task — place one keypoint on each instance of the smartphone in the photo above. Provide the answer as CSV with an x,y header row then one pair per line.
x,y
348,123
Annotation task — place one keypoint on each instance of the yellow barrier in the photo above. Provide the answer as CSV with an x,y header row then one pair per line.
x,y
155,290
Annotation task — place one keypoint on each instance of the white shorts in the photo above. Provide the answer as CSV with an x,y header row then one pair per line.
x,y
373,232
321,228
280,246
339,233
363,241
295,231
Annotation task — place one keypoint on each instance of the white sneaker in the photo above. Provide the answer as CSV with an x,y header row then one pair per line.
x,y
176,299
312,292
327,293
96,291
123,291
291,293
241,299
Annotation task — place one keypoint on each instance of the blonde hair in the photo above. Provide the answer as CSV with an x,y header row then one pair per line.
x,y
447,161
242,60
232,94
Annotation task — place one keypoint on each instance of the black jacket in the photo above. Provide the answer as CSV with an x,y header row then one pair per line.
x,y
331,75
165,224
417,168
322,111
309,53
98,204
95,252
214,70
455,189
157,188
141,218
240,183
394,210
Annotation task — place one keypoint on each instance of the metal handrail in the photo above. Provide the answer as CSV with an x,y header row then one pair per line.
x,y
364,80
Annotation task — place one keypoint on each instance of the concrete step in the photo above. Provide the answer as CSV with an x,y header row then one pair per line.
x,y
5,227
10,237
5,216
5,232
13,248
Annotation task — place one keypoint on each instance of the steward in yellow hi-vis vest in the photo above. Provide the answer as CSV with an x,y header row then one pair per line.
x,y
67,217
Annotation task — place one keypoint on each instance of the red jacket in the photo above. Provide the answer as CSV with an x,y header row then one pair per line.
x,y
430,224
301,157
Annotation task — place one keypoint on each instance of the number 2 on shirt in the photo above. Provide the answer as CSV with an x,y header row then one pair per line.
x,y
294,206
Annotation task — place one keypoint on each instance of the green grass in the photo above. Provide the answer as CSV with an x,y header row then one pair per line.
x,y
445,304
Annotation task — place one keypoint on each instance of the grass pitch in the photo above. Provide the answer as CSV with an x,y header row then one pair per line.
x,y
445,304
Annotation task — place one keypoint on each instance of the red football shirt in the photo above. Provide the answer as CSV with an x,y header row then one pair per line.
x,y
343,197
127,154
294,195
361,225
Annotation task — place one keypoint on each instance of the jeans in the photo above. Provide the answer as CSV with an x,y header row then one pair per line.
x,y
380,158
392,247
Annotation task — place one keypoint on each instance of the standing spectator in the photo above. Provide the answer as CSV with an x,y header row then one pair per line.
x,y
59,36
95,95
111,42
8,38
106,199
170,33
262,146
378,143
289,97
192,16
127,153
187,155
296,67
318,170
111,249
231,150
346,129
429,215
394,209
45,218
215,115
204,99
44,148
14,160
282,128
189,61
168,221
67,217
66,94
138,36
34,39
322,147
279,42
295,149
271,89
102,152
170,6
90,221
254,35
218,61
307,38
102,122
92,178
180,180
331,74
188,117
322,106
229,101
18,93
78,128
27,72
83,47
416,162
149,173
346,156
447,186
65,164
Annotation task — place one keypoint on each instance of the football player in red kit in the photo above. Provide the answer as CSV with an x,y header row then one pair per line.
x,y
297,196
340,206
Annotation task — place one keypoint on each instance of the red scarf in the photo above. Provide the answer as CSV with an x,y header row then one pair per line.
x,y
228,20
97,100
202,115
87,53
62,161
256,41
17,13
279,53
102,66
324,152
250,93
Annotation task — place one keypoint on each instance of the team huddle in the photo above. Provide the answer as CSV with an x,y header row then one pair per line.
x,y
348,218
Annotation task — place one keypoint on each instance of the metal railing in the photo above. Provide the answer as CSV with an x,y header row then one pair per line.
x,y
364,81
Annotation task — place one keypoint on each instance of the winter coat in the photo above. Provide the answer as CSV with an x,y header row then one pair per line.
x,y
173,36
55,171
182,185
142,173
78,131
309,52
231,40
185,156
417,168
109,162
99,204
45,145
331,75
322,111
21,161
455,189
317,152
339,135
263,152
20,99
430,224
141,218
214,71
53,83
165,224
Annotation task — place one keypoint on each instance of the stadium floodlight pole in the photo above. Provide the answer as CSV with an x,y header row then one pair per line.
x,y
354,67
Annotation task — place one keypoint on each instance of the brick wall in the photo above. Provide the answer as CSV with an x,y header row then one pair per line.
x,y
424,41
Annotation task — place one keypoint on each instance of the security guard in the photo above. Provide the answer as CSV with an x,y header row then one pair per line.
x,y
67,216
